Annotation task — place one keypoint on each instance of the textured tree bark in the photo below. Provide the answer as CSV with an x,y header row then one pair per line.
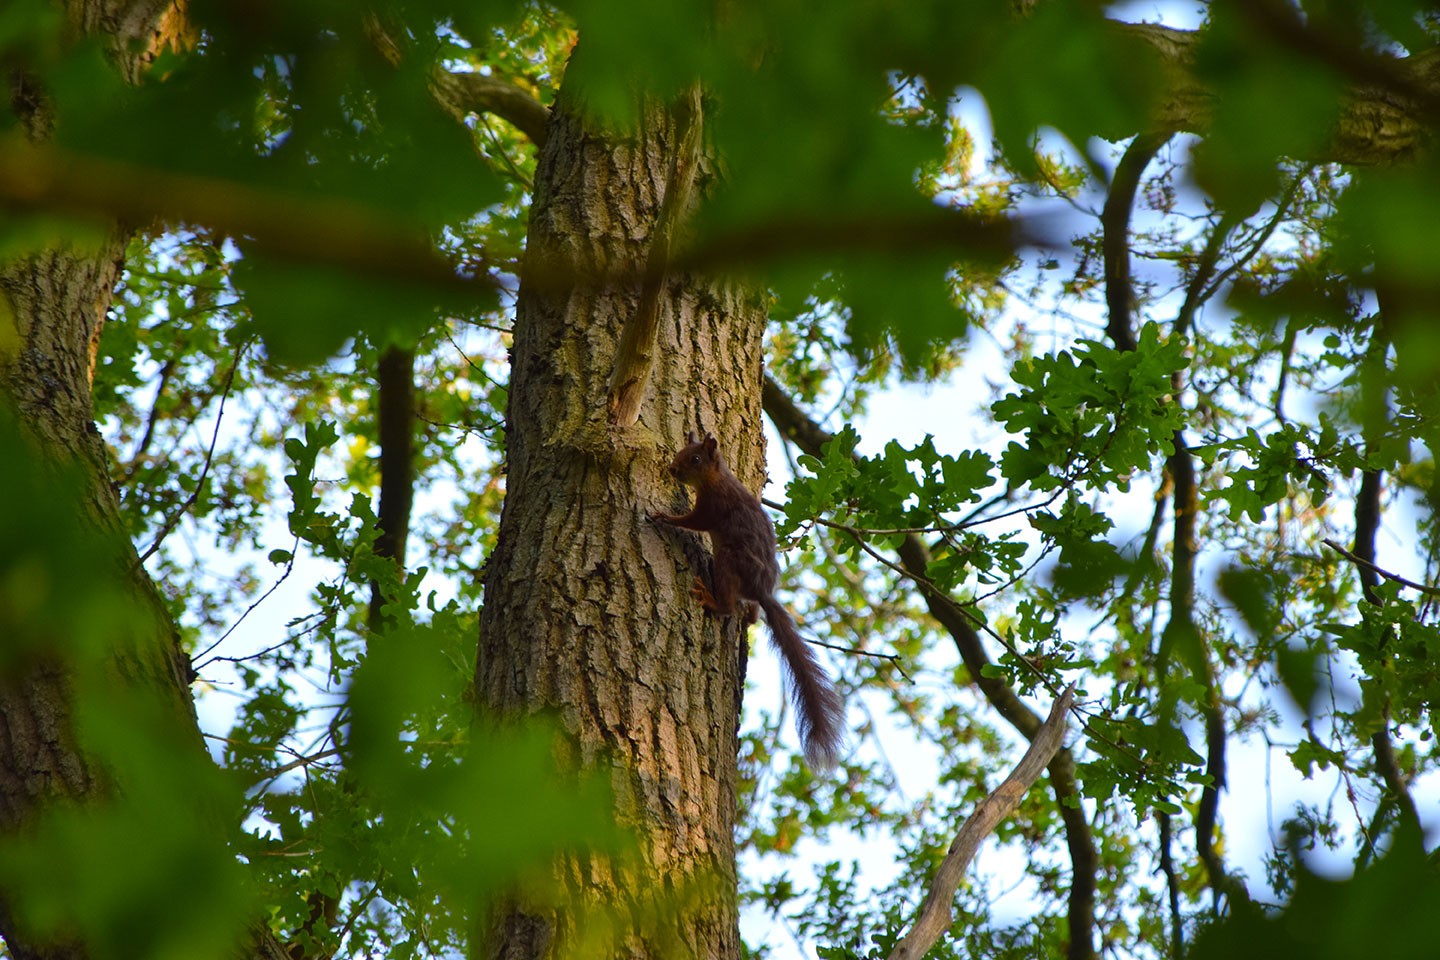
x,y
52,311
587,613
1377,126
56,302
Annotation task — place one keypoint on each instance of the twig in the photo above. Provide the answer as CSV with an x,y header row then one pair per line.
x,y
266,651
856,651
174,519
1395,577
304,761
162,382
499,148
1259,240
356,912
867,531
248,610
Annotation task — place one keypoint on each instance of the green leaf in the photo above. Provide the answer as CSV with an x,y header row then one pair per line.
x,y
1330,919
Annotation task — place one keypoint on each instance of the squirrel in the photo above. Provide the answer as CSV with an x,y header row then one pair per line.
x,y
745,568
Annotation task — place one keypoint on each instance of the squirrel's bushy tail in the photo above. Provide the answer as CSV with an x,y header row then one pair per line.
x,y
819,710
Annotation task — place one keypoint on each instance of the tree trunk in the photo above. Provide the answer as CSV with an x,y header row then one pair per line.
x,y
52,306
588,615
64,678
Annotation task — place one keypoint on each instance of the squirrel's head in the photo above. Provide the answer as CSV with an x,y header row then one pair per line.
x,y
694,457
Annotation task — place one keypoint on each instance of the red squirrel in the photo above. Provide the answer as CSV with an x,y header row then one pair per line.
x,y
743,541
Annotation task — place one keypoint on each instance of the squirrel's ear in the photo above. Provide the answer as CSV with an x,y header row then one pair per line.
x,y
691,438
709,443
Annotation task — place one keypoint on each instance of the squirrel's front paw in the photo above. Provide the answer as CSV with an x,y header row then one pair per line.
x,y
702,593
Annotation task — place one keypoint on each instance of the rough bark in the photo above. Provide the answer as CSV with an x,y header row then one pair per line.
x,y
54,304
587,613
52,309
1380,123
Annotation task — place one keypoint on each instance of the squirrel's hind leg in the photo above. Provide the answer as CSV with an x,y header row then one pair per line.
x,y
726,594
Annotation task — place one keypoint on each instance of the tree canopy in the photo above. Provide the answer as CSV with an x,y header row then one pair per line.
x,y
1099,352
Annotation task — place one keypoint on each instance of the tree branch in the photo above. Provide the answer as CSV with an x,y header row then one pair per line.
x,y
169,525
1172,888
395,427
794,424
462,94
290,226
1334,44
1363,563
1367,524
1380,123
935,913
1181,632
635,355
1115,242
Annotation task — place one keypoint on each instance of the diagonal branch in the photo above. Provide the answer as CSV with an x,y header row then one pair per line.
x,y
462,94
800,429
1379,571
936,911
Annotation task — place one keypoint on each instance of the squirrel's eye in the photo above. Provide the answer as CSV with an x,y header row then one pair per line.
x,y
695,459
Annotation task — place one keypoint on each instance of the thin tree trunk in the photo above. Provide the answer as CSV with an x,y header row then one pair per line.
x,y
587,612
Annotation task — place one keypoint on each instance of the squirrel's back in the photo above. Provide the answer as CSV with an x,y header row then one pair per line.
x,y
742,539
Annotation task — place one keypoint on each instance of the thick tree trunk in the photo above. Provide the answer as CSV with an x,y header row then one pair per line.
x,y
53,304
587,612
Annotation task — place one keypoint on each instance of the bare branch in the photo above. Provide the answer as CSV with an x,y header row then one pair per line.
x,y
1361,562
466,93
936,911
